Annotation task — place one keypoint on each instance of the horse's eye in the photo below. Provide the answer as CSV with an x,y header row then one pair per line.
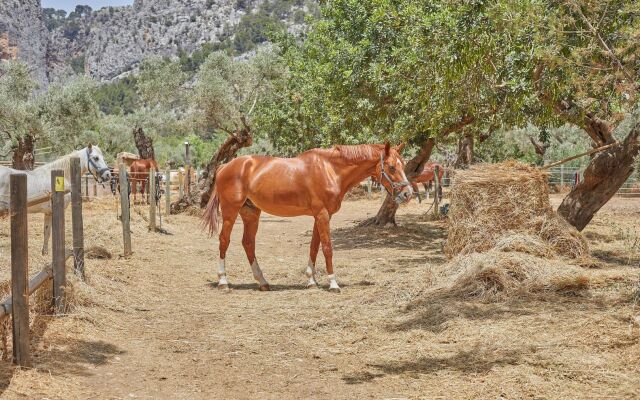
x,y
392,169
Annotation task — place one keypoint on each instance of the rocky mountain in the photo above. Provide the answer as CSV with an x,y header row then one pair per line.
x,y
23,35
111,42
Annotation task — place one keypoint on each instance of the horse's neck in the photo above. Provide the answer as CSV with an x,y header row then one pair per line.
x,y
351,174
64,164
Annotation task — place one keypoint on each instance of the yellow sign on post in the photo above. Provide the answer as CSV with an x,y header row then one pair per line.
x,y
59,184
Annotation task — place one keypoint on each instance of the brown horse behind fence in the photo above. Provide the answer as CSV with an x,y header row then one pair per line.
x,y
426,177
314,184
139,174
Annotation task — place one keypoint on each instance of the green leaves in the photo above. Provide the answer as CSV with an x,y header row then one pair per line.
x,y
159,82
60,116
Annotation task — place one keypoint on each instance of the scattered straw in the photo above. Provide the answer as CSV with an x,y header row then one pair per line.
x,y
495,275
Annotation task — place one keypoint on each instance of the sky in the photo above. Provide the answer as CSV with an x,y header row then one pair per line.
x,y
70,5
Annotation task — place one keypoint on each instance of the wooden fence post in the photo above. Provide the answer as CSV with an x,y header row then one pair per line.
x,y
57,239
187,186
86,187
180,185
562,177
76,218
152,200
19,269
95,188
436,191
167,191
124,213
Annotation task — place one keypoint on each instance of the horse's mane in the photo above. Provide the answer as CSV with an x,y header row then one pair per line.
x,y
354,153
63,163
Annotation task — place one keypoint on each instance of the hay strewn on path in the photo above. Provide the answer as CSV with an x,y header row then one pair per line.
x,y
506,239
495,275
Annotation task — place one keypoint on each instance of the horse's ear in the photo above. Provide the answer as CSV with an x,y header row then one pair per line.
x,y
387,148
89,146
400,147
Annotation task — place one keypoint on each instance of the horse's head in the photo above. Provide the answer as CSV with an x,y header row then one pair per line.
x,y
96,164
390,174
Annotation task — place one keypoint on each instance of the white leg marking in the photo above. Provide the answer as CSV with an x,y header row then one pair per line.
x,y
257,273
311,274
333,285
222,274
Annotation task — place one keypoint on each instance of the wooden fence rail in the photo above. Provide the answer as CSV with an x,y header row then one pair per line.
x,y
35,283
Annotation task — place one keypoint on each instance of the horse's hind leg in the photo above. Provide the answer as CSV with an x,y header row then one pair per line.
x,y
229,214
313,254
47,234
251,218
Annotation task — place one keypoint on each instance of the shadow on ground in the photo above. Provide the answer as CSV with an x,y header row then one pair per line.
x,y
424,236
611,257
62,356
435,312
279,287
476,360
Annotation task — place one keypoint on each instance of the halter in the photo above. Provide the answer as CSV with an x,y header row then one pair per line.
x,y
394,185
97,172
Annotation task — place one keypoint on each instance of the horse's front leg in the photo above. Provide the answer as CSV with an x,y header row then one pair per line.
x,y
47,233
322,222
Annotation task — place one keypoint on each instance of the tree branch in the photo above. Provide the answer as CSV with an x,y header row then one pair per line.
x,y
599,130
603,44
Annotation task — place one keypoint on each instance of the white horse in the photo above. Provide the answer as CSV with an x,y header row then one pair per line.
x,y
39,182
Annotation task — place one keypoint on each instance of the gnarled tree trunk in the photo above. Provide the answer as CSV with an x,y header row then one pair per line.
x,y
540,149
23,157
604,175
225,153
465,151
144,144
201,193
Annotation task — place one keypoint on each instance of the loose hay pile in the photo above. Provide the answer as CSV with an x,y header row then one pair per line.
x,y
492,202
506,238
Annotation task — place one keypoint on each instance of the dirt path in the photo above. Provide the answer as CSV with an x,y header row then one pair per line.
x,y
155,326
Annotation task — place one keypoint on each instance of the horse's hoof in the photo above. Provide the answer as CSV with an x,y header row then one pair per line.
x,y
265,288
224,287
312,285
335,289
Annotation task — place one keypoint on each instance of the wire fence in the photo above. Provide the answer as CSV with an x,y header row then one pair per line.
x,y
564,178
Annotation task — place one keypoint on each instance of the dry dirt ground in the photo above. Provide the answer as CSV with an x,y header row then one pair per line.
x,y
155,326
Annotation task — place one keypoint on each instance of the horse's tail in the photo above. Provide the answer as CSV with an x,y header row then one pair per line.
x,y
210,217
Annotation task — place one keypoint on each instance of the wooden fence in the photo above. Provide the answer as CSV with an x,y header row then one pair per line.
x,y
17,304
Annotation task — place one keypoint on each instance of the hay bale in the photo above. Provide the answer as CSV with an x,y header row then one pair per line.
x,y
491,202
98,252
495,275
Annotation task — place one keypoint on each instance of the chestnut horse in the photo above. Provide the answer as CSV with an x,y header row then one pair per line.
x,y
314,184
139,173
426,177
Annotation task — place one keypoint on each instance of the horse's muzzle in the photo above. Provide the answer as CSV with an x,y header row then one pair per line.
x,y
405,195
106,176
